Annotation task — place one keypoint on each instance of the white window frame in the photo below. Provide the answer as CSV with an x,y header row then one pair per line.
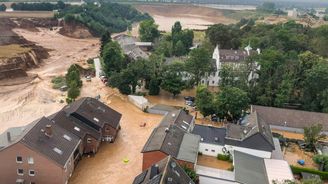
x,y
29,172
20,174
19,161
30,160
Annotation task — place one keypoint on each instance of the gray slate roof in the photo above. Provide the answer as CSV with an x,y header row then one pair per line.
x,y
179,118
69,123
234,55
293,118
92,111
249,169
255,126
173,141
210,134
129,47
167,168
36,139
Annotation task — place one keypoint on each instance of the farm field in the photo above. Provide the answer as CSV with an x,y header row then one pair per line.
x,y
27,14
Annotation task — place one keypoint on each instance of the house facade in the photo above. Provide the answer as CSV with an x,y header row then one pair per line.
x,y
40,152
234,58
255,138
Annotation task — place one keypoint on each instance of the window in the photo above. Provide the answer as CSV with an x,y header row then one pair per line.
x,y
213,150
20,172
67,137
77,129
57,150
19,159
32,182
31,172
206,149
89,140
213,82
30,160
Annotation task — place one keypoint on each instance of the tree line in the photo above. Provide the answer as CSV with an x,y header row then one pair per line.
x,y
155,73
103,17
293,68
38,6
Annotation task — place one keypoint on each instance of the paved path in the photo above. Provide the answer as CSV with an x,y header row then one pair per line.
x,y
97,67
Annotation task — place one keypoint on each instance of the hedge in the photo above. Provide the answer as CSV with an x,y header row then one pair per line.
x,y
297,170
223,157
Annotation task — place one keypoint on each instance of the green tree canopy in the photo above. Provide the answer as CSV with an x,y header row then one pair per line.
x,y
312,135
3,7
231,102
204,101
113,58
172,79
199,63
148,31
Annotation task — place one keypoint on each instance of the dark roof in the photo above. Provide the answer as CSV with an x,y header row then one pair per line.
x,y
292,118
249,169
70,123
164,171
56,147
173,141
234,55
179,118
92,110
255,125
210,134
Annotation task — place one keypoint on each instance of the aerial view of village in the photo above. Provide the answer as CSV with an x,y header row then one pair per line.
x,y
163,92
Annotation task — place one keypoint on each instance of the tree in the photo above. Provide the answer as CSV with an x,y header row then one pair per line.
x,y
176,29
191,173
267,7
154,88
60,5
321,159
320,41
199,63
231,102
226,36
180,49
312,135
204,101
148,31
112,58
3,7
73,92
172,79
105,38
73,77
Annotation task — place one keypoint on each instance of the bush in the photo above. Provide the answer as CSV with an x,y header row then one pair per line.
x,y
223,157
58,82
298,170
154,88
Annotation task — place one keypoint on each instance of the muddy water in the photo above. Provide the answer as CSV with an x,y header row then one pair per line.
x,y
107,167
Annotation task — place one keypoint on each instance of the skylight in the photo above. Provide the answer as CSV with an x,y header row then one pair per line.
x,y
67,137
57,150
77,129
184,127
185,122
96,119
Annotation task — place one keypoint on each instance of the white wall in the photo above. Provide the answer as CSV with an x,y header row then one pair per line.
x,y
206,149
258,153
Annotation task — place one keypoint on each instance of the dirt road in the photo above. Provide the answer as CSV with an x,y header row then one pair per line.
x,y
21,104
191,17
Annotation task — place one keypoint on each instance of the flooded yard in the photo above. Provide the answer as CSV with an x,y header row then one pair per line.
x,y
213,162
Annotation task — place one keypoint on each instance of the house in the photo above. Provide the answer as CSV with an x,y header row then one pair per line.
x,y
40,152
130,47
145,46
254,137
96,115
173,141
222,57
165,171
290,119
90,137
172,137
250,169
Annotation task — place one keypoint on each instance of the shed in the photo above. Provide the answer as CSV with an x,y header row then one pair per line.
x,y
139,101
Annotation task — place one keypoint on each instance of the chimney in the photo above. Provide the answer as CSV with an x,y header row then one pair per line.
x,y
8,137
48,131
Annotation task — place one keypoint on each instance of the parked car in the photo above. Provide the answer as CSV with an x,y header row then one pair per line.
x,y
190,103
189,98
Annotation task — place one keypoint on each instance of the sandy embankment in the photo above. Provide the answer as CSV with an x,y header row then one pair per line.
x,y
21,104
191,17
